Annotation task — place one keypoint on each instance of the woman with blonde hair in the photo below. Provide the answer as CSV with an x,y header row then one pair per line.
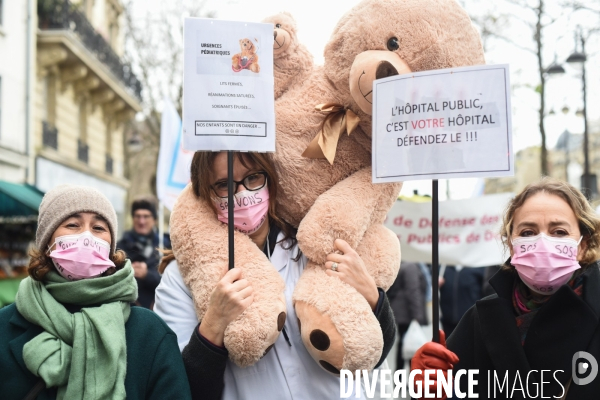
x,y
539,335
71,333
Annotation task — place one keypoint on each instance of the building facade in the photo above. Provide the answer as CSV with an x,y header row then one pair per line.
x,y
66,99
65,96
84,97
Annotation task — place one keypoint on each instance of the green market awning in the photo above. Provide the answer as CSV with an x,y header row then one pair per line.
x,y
19,202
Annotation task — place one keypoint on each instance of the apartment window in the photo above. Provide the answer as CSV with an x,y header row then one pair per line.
x,y
82,146
49,131
82,151
49,135
108,145
109,164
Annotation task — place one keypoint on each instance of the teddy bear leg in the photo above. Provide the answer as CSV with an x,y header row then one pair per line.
x,y
380,251
254,67
337,325
235,61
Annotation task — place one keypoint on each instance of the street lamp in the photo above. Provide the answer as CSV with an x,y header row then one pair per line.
x,y
589,183
555,69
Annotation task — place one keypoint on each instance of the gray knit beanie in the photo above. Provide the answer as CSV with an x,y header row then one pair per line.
x,y
65,200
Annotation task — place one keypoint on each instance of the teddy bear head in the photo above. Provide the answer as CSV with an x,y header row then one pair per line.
x,y
381,38
247,46
284,33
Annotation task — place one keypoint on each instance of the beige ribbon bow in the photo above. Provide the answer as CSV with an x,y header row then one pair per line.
x,y
337,120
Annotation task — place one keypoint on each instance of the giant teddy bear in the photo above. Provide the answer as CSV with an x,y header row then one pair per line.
x,y
323,158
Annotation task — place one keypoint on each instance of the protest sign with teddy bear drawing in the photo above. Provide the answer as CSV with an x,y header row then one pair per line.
x,y
228,99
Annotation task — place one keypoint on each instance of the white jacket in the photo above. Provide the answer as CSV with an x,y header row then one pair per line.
x,y
286,372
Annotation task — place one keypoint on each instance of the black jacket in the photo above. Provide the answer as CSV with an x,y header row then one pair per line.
x,y
487,339
133,245
407,295
461,289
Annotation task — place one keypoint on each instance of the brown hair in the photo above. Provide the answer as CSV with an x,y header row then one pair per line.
x,y
40,264
589,223
201,171
167,258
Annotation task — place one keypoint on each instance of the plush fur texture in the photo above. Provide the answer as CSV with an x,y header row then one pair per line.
x,y
200,245
328,201
292,62
339,201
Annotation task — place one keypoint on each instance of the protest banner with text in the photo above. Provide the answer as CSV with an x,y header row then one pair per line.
x,y
468,230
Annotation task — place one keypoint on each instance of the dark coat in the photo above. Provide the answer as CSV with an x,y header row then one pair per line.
x,y
461,289
407,295
154,365
487,339
133,245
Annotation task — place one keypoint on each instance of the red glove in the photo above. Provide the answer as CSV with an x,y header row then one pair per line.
x,y
433,355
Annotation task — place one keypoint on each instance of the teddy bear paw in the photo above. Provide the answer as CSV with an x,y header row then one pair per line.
x,y
280,323
337,325
320,337
250,337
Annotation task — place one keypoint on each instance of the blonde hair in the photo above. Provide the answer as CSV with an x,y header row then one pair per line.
x,y
589,223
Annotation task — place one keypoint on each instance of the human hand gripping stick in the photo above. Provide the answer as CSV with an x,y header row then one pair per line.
x,y
434,356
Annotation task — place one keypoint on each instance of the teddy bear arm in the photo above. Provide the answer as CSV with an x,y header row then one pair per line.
x,y
380,251
345,211
201,248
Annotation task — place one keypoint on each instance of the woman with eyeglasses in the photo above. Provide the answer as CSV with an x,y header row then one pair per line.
x,y
286,370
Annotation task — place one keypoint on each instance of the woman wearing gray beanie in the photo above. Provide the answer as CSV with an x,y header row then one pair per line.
x,y
71,333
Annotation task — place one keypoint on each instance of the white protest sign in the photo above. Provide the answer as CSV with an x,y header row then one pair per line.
x,y
449,123
228,101
468,230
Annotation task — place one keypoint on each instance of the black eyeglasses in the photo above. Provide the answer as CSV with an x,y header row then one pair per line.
x,y
252,182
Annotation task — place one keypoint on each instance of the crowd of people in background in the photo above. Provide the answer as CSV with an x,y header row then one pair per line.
x,y
141,244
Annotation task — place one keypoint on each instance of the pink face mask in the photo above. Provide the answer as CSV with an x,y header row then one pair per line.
x,y
81,256
545,263
249,211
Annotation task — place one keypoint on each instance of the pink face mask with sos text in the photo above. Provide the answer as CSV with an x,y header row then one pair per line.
x,y
249,211
545,263
81,256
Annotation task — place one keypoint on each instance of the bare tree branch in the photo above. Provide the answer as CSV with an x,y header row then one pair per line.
x,y
154,48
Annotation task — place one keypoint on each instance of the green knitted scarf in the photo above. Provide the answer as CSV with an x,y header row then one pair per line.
x,y
82,353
